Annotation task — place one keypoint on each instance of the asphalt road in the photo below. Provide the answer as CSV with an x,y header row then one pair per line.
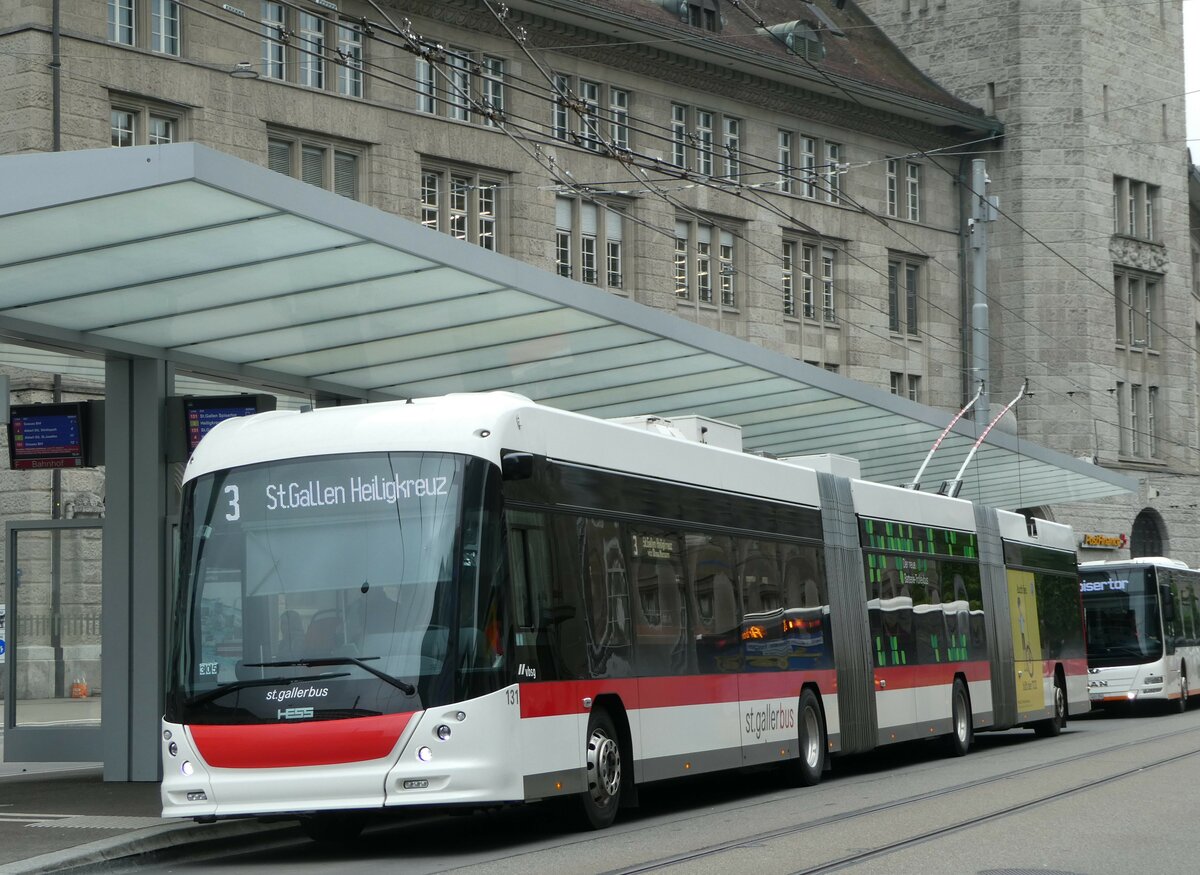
x,y
1112,795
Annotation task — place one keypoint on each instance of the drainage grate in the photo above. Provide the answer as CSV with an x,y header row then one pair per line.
x,y
98,821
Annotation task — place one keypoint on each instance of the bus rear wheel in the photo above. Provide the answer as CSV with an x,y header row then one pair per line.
x,y
806,770
600,801
958,742
1054,726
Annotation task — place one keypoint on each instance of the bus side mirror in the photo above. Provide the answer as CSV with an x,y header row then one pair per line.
x,y
516,466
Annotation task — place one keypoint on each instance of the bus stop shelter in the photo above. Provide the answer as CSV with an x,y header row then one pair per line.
x,y
171,257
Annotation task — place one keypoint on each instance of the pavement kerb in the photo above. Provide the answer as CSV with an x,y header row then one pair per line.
x,y
143,841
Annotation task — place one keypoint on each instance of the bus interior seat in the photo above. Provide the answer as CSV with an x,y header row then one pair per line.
x,y
325,633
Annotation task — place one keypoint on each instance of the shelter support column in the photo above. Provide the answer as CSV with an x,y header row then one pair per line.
x,y
135,567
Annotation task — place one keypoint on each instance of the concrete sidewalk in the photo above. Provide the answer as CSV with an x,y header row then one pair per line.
x,y
56,817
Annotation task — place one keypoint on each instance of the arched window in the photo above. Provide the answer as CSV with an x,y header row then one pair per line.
x,y
1147,538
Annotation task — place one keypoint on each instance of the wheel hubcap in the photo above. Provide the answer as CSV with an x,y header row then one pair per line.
x,y
960,719
812,739
604,764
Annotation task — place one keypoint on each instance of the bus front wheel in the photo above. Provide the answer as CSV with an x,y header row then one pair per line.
x,y
602,798
1181,703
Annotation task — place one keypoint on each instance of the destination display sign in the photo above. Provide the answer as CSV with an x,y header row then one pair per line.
x,y
203,418
46,436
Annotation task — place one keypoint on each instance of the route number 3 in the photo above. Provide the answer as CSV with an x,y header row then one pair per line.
x,y
235,510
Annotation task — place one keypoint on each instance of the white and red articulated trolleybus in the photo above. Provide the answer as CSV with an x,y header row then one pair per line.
x,y
476,600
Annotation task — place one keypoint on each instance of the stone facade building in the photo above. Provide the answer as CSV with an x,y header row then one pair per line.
x,y
784,174
1091,261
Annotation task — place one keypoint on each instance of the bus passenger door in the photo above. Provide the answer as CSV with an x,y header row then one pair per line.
x,y
1027,644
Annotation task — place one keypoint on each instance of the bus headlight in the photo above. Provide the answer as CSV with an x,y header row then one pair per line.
x,y
443,732
425,755
173,749
187,768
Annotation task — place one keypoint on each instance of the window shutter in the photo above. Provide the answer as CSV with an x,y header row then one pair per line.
x,y
279,156
562,213
312,165
587,219
345,174
612,225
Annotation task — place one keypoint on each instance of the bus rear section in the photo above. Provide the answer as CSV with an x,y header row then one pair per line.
x,y
1143,628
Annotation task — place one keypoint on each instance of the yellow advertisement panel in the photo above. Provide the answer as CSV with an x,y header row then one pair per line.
x,y
1027,640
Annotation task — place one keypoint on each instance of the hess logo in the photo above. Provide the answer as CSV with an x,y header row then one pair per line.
x,y
295,713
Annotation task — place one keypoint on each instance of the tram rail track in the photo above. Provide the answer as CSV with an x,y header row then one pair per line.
x,y
847,860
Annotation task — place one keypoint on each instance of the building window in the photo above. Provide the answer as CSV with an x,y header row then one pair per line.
x,y
350,50
317,161
679,135
788,278
702,250
814,275
462,203
152,24
462,87
1137,299
618,115
705,14
808,178
893,187
1152,421
456,74
733,140
694,144
1135,404
904,284
1135,208
589,121
492,90
1139,416
589,242
785,162
137,123
301,46
912,192
274,25
703,138
312,50
590,114
833,172
906,385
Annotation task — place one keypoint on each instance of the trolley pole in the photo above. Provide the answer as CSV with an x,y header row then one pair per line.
x,y
983,211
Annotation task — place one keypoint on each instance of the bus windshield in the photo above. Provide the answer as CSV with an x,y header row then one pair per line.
x,y
328,587
1123,626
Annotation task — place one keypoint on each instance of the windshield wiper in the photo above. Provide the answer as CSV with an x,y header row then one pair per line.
x,y
218,692
406,688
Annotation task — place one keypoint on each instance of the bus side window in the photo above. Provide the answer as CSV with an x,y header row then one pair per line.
x,y
545,601
598,544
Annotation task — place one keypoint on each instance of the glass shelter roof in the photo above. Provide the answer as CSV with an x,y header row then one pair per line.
x,y
229,269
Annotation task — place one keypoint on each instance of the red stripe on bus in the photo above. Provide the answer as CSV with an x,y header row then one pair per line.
x,y
556,698
321,743
913,676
